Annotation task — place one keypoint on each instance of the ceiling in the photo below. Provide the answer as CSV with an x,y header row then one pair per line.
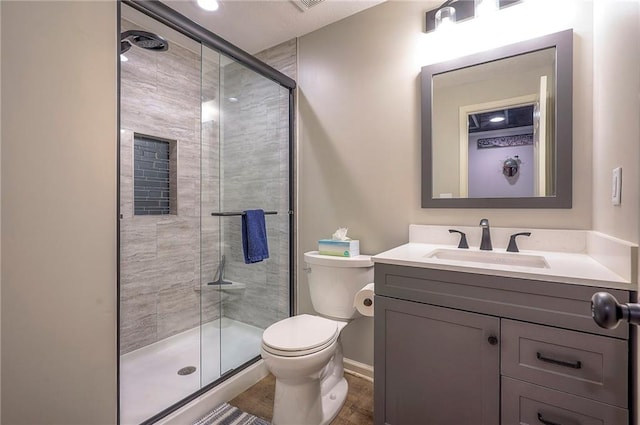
x,y
515,117
256,25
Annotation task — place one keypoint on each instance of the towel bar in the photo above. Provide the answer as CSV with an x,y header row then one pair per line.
x,y
226,214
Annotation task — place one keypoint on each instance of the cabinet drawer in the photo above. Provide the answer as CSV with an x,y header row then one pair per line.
x,y
528,404
590,366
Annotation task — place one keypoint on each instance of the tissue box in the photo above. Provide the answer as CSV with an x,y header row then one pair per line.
x,y
339,248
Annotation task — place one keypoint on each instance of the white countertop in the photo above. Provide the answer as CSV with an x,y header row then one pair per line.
x,y
564,267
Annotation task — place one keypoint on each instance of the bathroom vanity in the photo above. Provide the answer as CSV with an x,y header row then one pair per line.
x,y
467,342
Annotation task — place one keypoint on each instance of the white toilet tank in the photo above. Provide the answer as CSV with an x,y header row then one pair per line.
x,y
334,281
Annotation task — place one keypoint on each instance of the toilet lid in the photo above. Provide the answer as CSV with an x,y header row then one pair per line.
x,y
300,333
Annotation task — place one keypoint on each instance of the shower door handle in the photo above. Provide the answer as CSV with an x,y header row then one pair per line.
x,y
234,213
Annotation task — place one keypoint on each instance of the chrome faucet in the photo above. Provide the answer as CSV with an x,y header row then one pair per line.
x,y
485,244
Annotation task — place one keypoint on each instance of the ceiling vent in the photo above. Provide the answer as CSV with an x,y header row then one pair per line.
x,y
305,5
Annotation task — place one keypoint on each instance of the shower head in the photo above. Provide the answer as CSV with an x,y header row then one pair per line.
x,y
142,39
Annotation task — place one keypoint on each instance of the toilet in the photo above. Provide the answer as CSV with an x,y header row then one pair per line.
x,y
304,352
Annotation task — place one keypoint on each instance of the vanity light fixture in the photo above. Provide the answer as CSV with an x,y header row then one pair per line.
x,y
445,17
209,5
463,10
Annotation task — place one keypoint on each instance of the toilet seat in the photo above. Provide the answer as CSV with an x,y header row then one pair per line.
x,y
300,335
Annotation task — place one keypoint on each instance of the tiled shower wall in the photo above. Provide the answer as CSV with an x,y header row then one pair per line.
x,y
160,255
165,258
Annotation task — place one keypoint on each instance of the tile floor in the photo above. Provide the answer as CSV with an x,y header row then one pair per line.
x,y
357,410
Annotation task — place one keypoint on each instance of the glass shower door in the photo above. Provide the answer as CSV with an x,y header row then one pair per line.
x,y
211,268
253,173
159,269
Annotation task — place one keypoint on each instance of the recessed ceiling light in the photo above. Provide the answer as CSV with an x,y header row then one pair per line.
x,y
497,119
210,5
123,58
233,99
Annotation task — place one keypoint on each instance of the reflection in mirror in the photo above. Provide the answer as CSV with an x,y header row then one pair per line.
x,y
469,109
497,124
502,141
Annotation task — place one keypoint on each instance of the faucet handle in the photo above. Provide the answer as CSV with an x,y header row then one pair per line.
x,y
463,239
513,247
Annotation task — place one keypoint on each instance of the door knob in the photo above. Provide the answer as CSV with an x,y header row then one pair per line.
x,y
607,312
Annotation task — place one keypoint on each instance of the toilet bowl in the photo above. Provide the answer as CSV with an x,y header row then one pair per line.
x,y
304,352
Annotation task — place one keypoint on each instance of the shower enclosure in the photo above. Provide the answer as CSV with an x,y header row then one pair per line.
x,y
205,134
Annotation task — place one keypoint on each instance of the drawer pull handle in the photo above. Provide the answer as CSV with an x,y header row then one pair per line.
x,y
573,365
546,422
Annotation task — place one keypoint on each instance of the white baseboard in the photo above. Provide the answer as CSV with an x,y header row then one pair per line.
x,y
220,394
358,369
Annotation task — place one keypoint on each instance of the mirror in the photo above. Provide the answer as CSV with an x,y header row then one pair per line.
x,y
497,127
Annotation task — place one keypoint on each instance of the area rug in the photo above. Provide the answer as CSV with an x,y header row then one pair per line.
x,y
226,414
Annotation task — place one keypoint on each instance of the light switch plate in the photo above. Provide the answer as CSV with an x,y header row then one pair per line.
x,y
616,186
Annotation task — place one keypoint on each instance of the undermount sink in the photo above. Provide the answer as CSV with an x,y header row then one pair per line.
x,y
490,257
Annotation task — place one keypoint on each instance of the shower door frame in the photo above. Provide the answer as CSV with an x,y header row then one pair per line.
x,y
182,24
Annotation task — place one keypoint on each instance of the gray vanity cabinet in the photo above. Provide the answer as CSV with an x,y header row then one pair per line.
x,y
427,344
468,349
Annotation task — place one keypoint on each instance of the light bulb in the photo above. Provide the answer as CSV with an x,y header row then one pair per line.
x,y
210,5
486,7
445,17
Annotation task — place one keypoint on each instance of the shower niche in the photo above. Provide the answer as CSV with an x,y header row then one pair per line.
x,y
154,175
201,135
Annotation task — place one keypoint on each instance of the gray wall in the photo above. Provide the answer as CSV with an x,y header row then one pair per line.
x,y
616,125
59,212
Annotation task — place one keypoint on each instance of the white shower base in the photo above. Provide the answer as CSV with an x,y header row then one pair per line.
x,y
149,380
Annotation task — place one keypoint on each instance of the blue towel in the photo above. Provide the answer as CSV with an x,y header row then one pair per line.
x,y
254,237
